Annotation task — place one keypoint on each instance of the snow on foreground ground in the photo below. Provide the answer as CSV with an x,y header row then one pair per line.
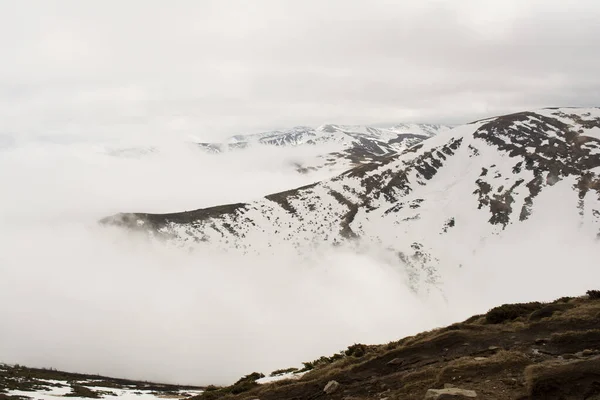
x,y
23,383
59,389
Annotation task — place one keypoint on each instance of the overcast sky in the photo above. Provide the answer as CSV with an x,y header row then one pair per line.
x,y
215,68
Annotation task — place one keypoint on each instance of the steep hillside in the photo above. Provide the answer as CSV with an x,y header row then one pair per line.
x,y
341,146
479,181
528,351
534,351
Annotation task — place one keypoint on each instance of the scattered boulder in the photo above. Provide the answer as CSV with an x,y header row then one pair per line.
x,y
331,387
587,353
450,394
356,350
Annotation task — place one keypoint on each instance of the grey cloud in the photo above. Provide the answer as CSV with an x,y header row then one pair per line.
x,y
236,66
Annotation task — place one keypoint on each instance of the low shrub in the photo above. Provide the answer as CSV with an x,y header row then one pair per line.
x,y
593,294
82,391
548,311
509,312
319,362
278,372
253,377
244,384
564,299
356,350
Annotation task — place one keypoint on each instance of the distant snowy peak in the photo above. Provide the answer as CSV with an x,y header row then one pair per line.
x,y
329,134
294,136
422,129
466,186
343,146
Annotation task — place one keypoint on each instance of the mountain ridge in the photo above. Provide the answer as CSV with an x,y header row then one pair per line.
x,y
341,146
472,182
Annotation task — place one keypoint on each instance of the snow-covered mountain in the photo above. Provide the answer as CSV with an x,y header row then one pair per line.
x,y
341,146
435,203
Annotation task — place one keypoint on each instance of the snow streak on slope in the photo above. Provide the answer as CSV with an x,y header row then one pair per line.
x,y
464,187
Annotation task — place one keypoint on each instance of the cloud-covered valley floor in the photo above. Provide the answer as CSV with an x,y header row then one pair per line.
x,y
78,296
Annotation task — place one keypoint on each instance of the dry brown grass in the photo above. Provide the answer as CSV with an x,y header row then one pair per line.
x,y
417,380
549,310
470,367
575,341
510,312
575,336
584,310
487,357
564,380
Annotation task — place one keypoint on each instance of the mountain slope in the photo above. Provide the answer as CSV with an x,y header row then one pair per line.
x,y
465,186
545,351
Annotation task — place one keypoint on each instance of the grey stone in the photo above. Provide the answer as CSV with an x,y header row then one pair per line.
x,y
450,393
395,361
331,387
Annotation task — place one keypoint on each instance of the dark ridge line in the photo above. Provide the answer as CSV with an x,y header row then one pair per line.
x,y
282,198
159,220
347,218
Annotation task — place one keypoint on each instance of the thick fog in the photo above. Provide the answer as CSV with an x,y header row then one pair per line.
x,y
78,296
82,297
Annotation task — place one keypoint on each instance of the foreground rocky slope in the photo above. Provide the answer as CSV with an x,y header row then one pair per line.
x,y
530,351
468,186
520,351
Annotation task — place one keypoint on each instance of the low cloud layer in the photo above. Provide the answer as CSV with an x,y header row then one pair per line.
x,y
213,69
82,297
78,296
